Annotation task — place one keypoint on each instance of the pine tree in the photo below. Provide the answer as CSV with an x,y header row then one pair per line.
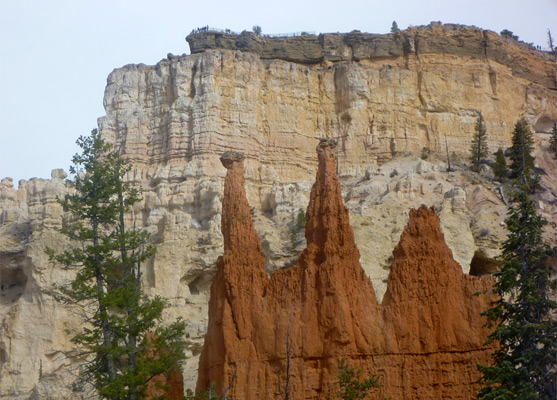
x,y
553,141
394,27
122,334
392,147
524,363
507,33
522,161
479,149
500,169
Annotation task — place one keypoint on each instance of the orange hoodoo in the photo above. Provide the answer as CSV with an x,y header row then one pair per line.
x,y
424,340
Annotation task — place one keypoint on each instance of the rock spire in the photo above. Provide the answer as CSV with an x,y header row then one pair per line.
x,y
293,328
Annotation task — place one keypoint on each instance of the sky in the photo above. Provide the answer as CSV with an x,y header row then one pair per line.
x,y
55,55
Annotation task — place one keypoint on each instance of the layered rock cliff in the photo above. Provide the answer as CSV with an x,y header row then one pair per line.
x,y
174,119
434,39
425,339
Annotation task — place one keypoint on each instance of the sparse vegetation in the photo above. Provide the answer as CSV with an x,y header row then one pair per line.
x,y
297,226
392,146
301,219
479,149
257,30
553,141
351,384
500,170
206,395
394,27
425,153
210,394
507,33
522,161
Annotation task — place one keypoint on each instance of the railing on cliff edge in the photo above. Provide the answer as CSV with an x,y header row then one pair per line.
x,y
208,29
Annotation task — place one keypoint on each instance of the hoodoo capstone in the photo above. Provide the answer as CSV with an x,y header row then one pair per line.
x,y
424,340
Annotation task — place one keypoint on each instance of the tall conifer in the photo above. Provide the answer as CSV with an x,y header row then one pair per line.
x,y
522,160
479,149
553,141
500,169
122,337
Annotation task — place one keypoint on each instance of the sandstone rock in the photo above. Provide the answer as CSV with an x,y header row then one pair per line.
x,y
173,120
324,308
435,38
8,182
58,174
456,227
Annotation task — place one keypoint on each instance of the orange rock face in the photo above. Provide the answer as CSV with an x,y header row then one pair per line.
x,y
292,329
170,385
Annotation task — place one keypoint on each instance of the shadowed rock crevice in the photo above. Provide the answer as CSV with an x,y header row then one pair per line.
x,y
425,340
12,278
483,265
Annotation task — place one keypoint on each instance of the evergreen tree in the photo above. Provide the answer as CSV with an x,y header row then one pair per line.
x,y
500,169
522,161
394,27
392,146
351,385
507,33
479,149
553,141
524,363
122,335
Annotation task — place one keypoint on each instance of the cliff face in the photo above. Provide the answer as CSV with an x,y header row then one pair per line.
x,y
186,108
173,119
425,340
434,39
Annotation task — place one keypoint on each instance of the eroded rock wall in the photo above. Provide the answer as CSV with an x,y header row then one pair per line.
x,y
436,38
425,339
174,119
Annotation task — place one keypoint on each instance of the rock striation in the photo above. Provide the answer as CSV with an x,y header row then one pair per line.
x,y
435,38
174,119
424,340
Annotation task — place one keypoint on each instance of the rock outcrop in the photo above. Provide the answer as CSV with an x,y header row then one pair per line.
x,y
173,120
424,340
435,38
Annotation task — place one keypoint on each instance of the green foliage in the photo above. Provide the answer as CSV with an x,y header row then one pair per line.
x,y
257,30
478,150
524,364
297,226
425,153
507,33
394,27
210,394
553,141
500,170
351,385
522,161
392,146
301,219
121,330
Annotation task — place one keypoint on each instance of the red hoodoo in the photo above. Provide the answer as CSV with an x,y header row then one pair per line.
x,y
424,340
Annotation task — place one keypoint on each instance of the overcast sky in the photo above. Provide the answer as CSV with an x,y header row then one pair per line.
x,y
55,55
